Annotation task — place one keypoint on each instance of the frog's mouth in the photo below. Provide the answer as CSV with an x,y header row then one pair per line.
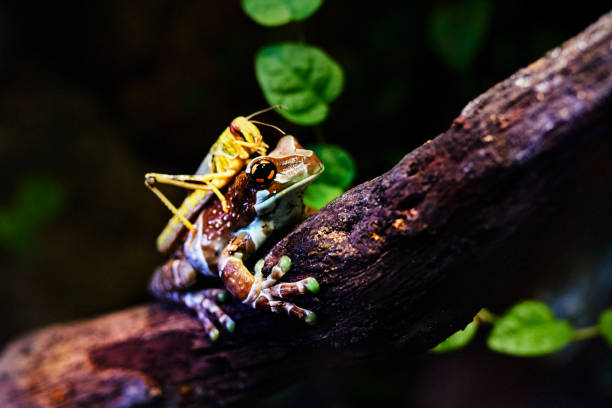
x,y
265,199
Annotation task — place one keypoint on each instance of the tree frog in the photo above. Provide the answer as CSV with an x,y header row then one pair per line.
x,y
264,198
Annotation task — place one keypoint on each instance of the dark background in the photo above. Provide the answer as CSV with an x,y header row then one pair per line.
x,y
95,94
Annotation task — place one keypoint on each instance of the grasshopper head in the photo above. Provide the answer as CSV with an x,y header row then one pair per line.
x,y
246,133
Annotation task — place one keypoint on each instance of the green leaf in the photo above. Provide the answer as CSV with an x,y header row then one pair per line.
x,y
339,165
338,175
36,201
459,339
457,31
317,195
302,78
279,12
605,325
529,329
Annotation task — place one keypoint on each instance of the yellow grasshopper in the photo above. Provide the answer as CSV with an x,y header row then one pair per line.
x,y
227,156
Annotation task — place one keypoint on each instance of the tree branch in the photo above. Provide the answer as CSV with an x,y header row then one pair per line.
x,y
402,259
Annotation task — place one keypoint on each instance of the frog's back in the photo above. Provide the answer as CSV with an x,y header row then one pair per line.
x,y
190,206
223,152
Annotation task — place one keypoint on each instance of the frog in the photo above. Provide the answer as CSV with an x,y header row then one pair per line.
x,y
264,198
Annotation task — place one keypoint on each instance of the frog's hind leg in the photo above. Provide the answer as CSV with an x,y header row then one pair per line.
x,y
176,274
204,303
169,283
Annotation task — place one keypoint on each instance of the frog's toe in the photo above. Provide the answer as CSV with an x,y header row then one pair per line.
x,y
312,285
222,317
258,268
230,325
213,334
220,295
209,327
281,306
284,263
266,300
278,271
227,322
311,317
204,303
284,289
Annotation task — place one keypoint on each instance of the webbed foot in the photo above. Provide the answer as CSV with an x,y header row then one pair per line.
x,y
271,290
204,303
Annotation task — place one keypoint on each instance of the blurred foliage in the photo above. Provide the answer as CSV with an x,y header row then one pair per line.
x,y
529,329
279,12
340,169
317,195
458,339
35,204
605,325
457,31
302,78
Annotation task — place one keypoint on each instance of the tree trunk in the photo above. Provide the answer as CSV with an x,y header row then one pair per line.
x,y
402,260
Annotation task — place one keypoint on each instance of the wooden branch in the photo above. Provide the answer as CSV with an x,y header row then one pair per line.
x,y
402,260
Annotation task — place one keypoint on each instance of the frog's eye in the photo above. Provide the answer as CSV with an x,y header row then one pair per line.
x,y
236,132
262,171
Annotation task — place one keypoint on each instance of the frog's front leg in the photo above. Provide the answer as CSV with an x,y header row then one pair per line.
x,y
253,289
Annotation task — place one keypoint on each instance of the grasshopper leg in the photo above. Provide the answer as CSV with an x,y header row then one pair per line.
x,y
192,182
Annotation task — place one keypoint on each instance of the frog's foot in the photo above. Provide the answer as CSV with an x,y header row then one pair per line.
x,y
266,302
271,290
282,290
204,303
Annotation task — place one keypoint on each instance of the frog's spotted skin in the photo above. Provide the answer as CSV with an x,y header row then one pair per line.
x,y
267,196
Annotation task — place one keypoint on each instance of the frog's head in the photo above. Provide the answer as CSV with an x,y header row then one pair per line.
x,y
284,173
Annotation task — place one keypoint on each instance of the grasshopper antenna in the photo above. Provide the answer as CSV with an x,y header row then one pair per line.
x,y
267,124
266,110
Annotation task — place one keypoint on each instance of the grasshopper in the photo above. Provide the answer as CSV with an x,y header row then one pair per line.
x,y
226,158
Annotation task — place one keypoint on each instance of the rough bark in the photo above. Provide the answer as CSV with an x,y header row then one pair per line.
x,y
402,260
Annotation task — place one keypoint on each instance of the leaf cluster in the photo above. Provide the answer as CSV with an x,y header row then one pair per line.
x,y
300,77
528,329
305,80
